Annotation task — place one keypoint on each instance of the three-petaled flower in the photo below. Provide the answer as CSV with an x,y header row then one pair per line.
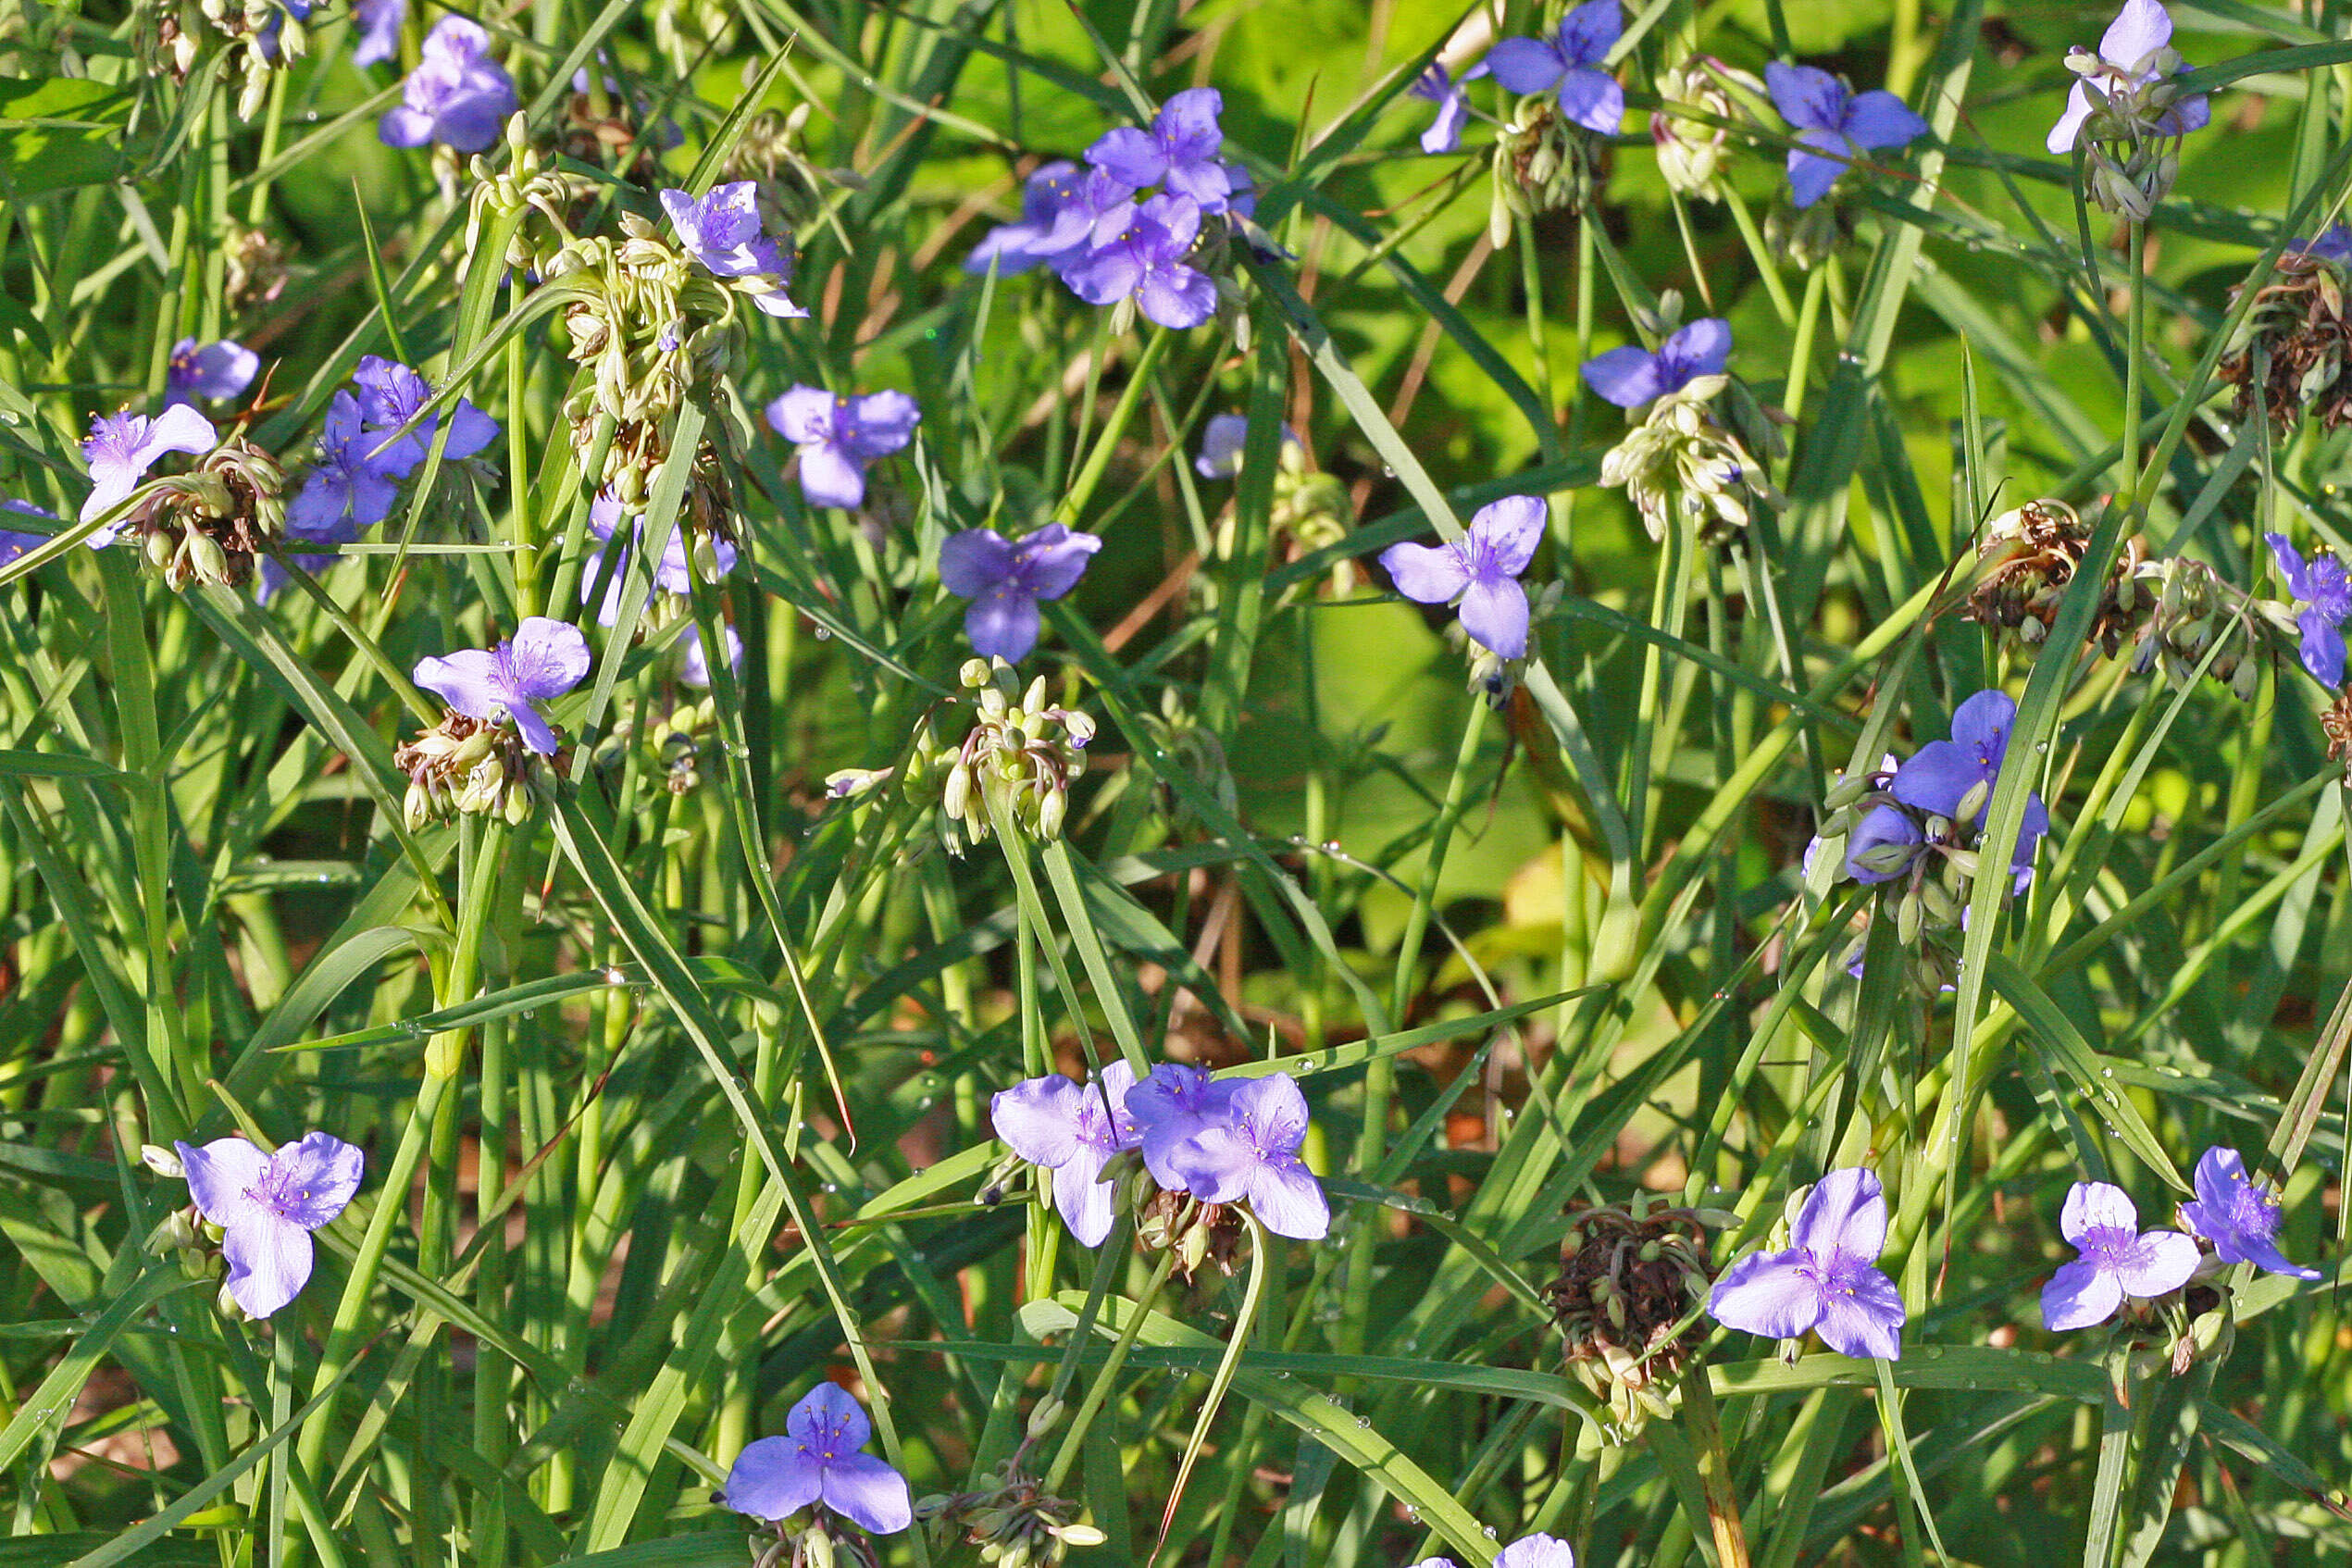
x,y
1252,1151
724,232
1005,579
1570,61
351,487
1527,1551
122,447
1827,1280
1482,568
1011,248
2238,1214
1436,86
457,94
390,394
1168,1107
266,1205
2324,591
839,436
2119,1259
818,1461
1146,260
1631,375
207,370
543,660
1835,126
1074,1131
2125,63
1954,779
1179,151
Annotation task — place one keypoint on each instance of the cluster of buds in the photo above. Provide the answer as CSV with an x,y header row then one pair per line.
x,y
1197,1233
465,765
209,524
812,1541
1805,237
687,30
1925,874
2188,609
257,272
1012,1519
2131,141
606,126
1626,1302
2288,352
1679,460
1177,731
1690,150
530,190
1544,162
264,36
1015,766
652,327
677,743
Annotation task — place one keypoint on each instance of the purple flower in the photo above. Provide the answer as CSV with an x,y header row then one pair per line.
x,y
2119,1259
1073,1130
1009,248
723,231
390,396
694,665
1170,1106
2321,586
1570,59
1005,579
379,23
1436,86
1146,260
1527,1551
1834,125
1482,568
1094,211
674,572
348,490
1827,1280
839,436
1253,1152
456,94
266,1205
1954,779
1882,845
2240,1216
2139,30
819,1462
122,447
2336,245
543,660
208,370
1631,375
1221,445
1181,150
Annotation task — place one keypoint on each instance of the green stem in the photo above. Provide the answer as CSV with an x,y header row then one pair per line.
x,y
1098,1388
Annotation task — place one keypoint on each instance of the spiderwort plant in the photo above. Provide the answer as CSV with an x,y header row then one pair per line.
x,y
1835,126
1527,1551
2126,113
2119,1260
1437,86
122,447
543,660
1010,249
1252,1152
1146,262
1631,375
1481,570
840,437
1826,1280
1223,442
266,1205
2239,1216
1954,779
723,231
817,1463
1005,579
1074,1131
390,394
1179,151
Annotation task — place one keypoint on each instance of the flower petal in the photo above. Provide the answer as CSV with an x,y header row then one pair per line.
x,y
1494,612
1002,624
1037,1119
1594,100
1215,1165
2080,1295
863,1489
1767,1293
269,1261
974,562
1844,1216
2060,140
1504,534
1537,1551
2322,648
2159,1261
1187,125
2139,30
1289,1201
1179,298
315,1177
2095,1206
772,1478
880,423
1083,1197
831,477
802,415
469,682
1054,558
1937,777
1881,120
1814,164
1627,377
829,1419
1702,348
1807,97
1425,574
1588,32
1129,155
221,1176
1526,64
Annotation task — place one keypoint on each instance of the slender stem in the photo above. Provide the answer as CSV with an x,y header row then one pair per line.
x,y
1098,1388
